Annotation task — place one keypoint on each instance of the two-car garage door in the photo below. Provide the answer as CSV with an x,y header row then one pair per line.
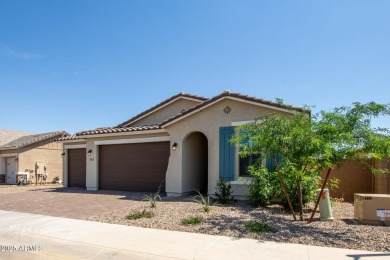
x,y
133,167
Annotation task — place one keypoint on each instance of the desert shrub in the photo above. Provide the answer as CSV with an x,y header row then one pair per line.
x,y
259,227
192,220
139,214
205,202
223,193
152,198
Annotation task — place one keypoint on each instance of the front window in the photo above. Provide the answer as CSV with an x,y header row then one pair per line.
x,y
245,162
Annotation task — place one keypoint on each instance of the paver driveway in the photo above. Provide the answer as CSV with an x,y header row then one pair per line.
x,y
64,202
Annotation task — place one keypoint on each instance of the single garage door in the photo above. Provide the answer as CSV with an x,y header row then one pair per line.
x,y
76,167
133,167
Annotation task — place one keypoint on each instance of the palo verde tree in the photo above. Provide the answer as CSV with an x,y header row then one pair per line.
x,y
347,133
310,145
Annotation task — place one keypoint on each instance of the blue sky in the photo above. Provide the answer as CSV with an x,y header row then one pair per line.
x,y
77,65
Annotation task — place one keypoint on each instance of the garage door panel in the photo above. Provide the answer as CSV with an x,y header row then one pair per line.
x,y
77,167
134,167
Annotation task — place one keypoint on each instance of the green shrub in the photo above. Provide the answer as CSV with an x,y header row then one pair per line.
x,y
260,190
192,220
309,186
262,227
224,192
205,202
266,185
140,214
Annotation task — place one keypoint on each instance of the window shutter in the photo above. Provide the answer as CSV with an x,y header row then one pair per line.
x,y
270,164
226,154
245,141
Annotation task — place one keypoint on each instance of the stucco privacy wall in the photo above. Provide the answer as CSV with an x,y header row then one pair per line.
x,y
354,178
207,121
382,181
166,112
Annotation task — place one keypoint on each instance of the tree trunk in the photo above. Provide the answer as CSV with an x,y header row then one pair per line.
x,y
284,188
319,195
300,201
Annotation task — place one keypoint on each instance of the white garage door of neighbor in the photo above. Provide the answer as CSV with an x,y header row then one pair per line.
x,y
11,171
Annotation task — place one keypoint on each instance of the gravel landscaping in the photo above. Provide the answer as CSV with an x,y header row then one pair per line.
x,y
230,221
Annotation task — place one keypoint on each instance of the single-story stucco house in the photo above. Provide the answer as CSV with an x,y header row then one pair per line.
x,y
29,155
181,144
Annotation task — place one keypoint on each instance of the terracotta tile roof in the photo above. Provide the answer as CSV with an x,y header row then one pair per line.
x,y
111,130
31,139
233,95
181,94
122,129
68,137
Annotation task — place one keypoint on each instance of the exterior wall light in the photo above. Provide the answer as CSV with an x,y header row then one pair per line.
x,y
174,146
89,152
63,155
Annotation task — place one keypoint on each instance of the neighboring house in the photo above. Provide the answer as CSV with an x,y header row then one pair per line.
x,y
27,154
181,144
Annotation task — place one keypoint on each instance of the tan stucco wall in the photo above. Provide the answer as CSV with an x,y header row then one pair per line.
x,y
166,112
92,165
46,152
208,122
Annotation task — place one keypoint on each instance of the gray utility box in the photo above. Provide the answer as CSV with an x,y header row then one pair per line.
x,y
372,208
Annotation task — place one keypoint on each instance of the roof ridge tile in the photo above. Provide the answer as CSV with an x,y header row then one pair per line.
x,y
232,94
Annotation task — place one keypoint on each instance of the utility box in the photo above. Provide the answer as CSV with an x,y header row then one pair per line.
x,y
324,205
372,208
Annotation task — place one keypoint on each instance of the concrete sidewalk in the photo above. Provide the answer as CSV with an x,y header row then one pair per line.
x,y
62,238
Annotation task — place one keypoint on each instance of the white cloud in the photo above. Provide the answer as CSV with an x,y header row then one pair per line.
x,y
5,50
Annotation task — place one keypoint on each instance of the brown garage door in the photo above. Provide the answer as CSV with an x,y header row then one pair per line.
x,y
76,167
133,167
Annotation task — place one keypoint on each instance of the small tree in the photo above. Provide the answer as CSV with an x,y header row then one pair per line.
x,y
309,145
348,134
291,138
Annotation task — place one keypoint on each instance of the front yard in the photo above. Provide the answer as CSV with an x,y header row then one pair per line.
x,y
230,221
115,206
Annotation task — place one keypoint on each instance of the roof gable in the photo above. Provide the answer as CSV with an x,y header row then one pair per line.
x,y
140,123
234,96
166,109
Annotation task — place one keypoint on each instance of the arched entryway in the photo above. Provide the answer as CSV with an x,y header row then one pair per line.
x,y
195,163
